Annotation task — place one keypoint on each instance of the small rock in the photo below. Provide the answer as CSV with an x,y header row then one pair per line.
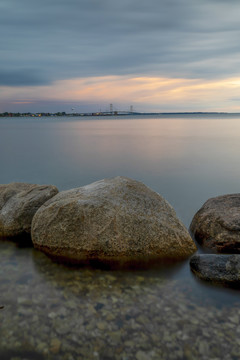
x,y
52,315
99,306
101,325
24,301
203,348
140,355
217,268
55,345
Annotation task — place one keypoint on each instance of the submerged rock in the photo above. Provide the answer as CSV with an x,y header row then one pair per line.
x,y
111,219
217,268
217,224
18,204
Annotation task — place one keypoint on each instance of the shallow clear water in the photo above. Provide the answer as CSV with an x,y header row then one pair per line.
x,y
55,312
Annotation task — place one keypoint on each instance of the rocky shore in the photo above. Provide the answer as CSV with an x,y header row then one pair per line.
x,y
51,311
117,219
122,221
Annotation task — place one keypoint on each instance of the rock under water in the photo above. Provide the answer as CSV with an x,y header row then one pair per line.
x,y
224,269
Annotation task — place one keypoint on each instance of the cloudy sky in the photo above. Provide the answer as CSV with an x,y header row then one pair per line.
x,y
157,55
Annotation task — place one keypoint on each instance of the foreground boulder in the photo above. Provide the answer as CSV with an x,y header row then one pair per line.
x,y
217,224
110,219
224,269
18,204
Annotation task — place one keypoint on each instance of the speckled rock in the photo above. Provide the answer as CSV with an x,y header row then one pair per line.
x,y
109,219
217,268
217,224
18,204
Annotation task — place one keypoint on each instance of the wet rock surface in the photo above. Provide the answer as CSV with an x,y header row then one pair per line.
x,y
58,313
217,224
217,268
18,204
111,220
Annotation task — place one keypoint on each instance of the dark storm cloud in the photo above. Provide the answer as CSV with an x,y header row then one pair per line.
x,y
22,77
81,38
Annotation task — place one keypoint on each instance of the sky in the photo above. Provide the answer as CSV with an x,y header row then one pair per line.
x,y
155,55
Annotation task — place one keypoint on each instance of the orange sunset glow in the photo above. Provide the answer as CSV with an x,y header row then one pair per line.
x,y
157,92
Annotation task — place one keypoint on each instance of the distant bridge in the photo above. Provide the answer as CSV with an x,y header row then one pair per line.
x,y
112,111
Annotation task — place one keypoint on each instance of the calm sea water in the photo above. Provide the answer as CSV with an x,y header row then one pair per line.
x,y
54,312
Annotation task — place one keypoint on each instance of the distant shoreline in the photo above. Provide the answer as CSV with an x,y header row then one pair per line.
x,y
115,113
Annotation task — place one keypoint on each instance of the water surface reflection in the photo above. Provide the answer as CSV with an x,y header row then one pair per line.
x,y
186,159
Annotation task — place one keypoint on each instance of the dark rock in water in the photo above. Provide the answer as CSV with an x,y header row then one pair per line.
x,y
18,204
224,269
9,354
110,220
217,224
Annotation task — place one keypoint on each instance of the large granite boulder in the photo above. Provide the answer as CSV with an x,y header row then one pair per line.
x,y
224,269
217,224
112,219
18,204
